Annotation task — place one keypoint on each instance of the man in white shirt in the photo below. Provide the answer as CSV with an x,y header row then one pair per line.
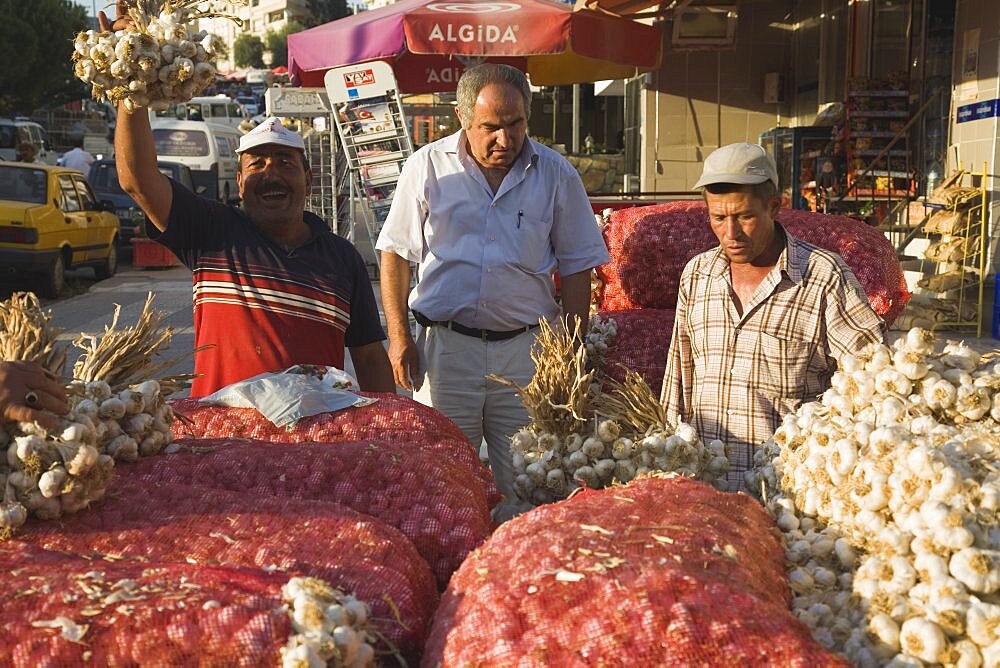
x,y
78,158
487,214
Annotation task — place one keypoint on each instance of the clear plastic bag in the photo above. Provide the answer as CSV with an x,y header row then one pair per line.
x,y
285,397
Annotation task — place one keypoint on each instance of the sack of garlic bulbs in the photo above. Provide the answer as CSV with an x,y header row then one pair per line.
x,y
161,61
649,247
641,344
888,491
436,502
659,572
60,609
391,418
198,525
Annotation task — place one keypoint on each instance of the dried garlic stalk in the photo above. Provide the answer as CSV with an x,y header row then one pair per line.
x,y
25,334
130,355
557,396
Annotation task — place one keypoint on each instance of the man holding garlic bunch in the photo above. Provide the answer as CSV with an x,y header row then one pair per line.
x,y
273,286
761,319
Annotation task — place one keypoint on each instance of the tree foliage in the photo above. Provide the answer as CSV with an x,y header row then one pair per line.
x,y
248,51
36,43
324,11
277,42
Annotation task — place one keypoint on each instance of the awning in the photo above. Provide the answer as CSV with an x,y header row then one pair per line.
x,y
630,7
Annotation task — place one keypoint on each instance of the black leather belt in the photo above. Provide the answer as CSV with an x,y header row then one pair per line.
x,y
484,334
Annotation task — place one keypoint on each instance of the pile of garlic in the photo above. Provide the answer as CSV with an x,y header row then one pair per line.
x,y
163,60
48,474
331,628
548,467
896,474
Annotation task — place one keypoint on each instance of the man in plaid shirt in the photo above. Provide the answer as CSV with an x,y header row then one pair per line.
x,y
761,319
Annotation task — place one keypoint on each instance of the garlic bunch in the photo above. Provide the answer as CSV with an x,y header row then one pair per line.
x,y
899,459
547,467
50,474
162,62
133,423
331,628
47,474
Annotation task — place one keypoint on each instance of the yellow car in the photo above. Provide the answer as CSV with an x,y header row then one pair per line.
x,y
50,221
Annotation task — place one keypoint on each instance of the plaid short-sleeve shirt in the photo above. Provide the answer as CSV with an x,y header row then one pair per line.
x,y
734,376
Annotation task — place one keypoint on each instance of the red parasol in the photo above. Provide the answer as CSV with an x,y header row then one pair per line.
x,y
429,43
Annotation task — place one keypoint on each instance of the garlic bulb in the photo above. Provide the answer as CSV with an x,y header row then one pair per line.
x,y
329,626
161,60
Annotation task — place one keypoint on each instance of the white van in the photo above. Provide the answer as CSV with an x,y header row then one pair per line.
x,y
17,130
208,149
217,109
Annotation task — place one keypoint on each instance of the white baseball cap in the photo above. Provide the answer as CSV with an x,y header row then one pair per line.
x,y
271,131
740,163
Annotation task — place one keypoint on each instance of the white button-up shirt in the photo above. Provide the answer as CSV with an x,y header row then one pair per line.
x,y
486,260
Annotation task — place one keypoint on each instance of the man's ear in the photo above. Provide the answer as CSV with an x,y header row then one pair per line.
x,y
775,205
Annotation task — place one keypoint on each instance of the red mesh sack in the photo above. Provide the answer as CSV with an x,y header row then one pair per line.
x,y
864,249
650,246
435,502
661,572
391,418
640,344
188,523
176,614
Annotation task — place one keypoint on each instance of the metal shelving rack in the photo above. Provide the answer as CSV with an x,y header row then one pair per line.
x,y
958,279
368,114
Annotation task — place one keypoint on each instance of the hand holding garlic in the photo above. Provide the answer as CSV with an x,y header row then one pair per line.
x,y
17,379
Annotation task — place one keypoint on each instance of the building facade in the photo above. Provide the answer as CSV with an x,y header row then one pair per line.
x,y
259,17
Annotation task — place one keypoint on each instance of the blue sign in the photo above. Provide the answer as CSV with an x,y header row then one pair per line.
x,y
978,110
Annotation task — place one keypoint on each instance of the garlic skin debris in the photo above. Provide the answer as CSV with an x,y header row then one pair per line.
x,y
898,464
331,628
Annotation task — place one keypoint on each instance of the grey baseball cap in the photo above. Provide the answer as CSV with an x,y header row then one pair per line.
x,y
741,163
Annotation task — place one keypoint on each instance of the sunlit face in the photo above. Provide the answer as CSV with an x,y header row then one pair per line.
x,y
743,224
498,126
274,183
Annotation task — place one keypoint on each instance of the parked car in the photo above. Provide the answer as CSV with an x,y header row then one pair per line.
x,y
17,130
250,104
51,221
104,179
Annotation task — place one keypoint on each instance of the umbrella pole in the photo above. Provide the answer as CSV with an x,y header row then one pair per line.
x,y
555,111
576,119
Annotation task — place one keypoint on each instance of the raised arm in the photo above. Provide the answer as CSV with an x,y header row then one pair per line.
x,y
135,153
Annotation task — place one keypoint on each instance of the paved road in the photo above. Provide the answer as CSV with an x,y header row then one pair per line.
x,y
91,310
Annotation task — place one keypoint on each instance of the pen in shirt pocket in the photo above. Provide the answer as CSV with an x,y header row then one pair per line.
x,y
520,215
